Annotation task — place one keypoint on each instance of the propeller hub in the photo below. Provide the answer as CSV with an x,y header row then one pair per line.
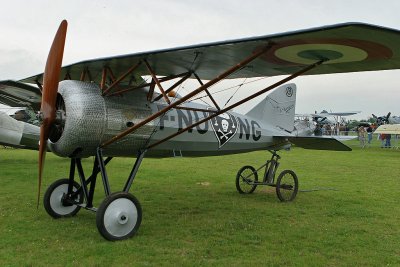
x,y
60,117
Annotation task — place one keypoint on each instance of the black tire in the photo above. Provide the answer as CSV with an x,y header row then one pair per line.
x,y
244,179
119,216
287,186
53,199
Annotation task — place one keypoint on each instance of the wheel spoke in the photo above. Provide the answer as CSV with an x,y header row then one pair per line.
x,y
246,179
287,186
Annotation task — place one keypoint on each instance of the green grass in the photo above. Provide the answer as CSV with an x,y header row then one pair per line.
x,y
193,216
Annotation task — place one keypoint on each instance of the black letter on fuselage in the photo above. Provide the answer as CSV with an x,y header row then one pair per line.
x,y
244,128
182,118
199,130
256,134
162,118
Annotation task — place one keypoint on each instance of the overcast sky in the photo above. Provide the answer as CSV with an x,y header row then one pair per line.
x,y
106,28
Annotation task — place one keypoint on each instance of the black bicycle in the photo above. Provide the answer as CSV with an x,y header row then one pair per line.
x,y
286,184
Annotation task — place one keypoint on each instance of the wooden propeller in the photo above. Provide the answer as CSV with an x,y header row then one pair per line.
x,y
51,77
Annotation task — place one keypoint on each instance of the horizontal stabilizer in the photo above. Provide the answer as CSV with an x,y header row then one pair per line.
x,y
319,143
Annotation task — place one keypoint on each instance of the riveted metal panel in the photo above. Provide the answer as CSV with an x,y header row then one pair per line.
x,y
92,119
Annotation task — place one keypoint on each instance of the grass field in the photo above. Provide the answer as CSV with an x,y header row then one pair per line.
x,y
193,216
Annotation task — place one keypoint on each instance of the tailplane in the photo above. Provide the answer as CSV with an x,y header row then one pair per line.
x,y
278,108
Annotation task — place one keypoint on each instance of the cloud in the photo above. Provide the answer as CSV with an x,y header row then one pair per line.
x,y
19,63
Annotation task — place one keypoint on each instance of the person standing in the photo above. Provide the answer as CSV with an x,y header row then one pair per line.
x,y
361,136
317,131
383,138
369,132
388,138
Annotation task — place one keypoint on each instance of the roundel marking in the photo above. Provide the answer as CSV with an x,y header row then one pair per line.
x,y
304,52
310,53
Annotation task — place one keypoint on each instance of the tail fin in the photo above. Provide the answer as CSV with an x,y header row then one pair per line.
x,y
278,108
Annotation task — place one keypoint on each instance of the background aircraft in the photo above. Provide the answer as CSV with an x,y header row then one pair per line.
x,y
306,124
18,134
338,117
386,119
110,107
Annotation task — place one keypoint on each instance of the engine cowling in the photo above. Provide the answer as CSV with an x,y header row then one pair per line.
x,y
90,119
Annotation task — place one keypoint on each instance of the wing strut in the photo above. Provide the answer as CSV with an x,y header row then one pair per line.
x,y
208,93
153,75
294,75
184,78
188,96
164,79
121,78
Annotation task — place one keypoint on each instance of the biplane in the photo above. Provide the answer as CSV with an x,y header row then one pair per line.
x,y
386,119
305,124
130,106
322,117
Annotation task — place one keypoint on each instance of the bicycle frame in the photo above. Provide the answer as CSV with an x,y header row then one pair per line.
x,y
286,183
271,166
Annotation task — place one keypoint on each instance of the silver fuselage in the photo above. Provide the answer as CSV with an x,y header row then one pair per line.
x,y
92,119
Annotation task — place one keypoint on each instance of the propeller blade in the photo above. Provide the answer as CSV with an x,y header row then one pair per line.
x,y
49,94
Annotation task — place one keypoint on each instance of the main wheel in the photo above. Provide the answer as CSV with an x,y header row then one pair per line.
x,y
287,185
119,216
54,199
245,179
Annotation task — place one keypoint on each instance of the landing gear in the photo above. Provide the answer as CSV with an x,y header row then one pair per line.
x,y
246,180
119,216
286,184
57,200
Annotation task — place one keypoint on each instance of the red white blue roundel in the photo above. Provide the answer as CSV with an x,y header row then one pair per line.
x,y
225,127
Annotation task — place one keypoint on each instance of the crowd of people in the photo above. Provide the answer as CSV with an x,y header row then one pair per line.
x,y
366,132
327,129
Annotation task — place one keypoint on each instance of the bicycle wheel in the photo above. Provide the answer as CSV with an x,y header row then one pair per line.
x,y
287,186
245,179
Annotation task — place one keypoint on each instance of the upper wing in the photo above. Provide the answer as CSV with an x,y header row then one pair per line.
x,y
348,47
16,94
325,114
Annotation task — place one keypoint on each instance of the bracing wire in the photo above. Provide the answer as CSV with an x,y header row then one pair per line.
x,y
177,90
237,89
228,88
181,87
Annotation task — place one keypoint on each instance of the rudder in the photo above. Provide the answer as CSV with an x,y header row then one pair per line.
x,y
278,107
